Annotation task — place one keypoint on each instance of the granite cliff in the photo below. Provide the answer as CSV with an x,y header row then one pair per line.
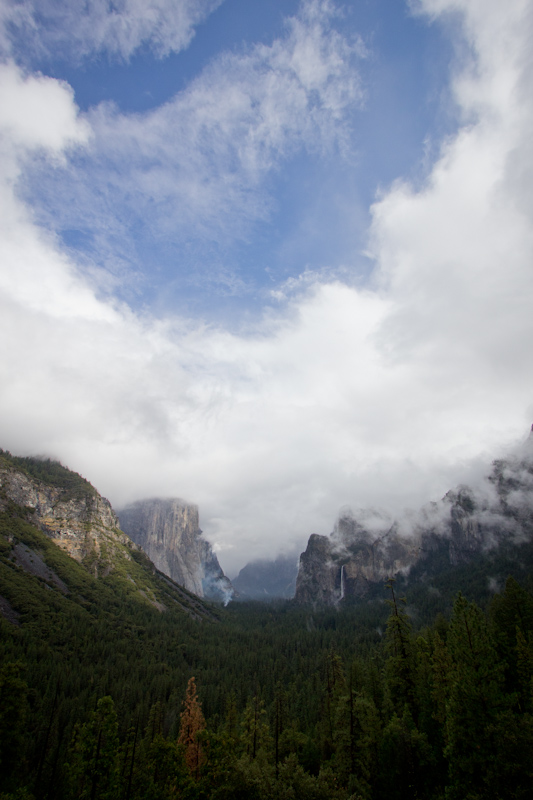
x,y
169,533
368,547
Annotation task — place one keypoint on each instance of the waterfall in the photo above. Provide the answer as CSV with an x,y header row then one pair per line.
x,y
342,583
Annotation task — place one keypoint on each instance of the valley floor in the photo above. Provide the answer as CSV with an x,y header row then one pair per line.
x,y
379,700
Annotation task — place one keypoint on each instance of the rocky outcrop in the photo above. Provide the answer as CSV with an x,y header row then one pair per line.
x,y
367,548
318,575
168,531
79,521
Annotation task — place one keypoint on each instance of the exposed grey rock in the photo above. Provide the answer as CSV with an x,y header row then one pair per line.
x,y
168,531
30,561
319,578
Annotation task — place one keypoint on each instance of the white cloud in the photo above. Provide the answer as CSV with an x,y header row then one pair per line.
x,y
38,112
388,394
75,28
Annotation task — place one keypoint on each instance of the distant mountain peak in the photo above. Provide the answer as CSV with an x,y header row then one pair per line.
x,y
268,579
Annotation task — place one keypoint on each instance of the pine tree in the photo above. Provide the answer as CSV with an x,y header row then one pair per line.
x,y
334,689
13,710
511,615
401,663
93,764
488,743
192,725
255,728
357,743
231,721
280,703
406,759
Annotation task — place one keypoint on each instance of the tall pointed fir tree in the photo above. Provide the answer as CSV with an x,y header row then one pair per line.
x,y
405,755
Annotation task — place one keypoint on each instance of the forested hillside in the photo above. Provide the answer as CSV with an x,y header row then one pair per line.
x,y
126,687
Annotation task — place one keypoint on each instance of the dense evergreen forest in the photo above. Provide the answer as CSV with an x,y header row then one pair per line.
x,y
105,697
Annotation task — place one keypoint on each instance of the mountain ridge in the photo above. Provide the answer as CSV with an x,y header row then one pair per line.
x,y
39,517
368,547
268,579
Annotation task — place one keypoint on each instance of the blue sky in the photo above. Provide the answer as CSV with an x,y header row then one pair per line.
x,y
270,257
312,200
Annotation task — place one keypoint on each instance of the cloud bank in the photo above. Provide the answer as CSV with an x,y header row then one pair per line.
x,y
386,393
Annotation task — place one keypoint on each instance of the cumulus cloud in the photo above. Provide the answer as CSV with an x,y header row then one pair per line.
x,y
387,394
77,28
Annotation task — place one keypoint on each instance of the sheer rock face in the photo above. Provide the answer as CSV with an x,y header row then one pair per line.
x,y
84,525
318,576
369,547
168,531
